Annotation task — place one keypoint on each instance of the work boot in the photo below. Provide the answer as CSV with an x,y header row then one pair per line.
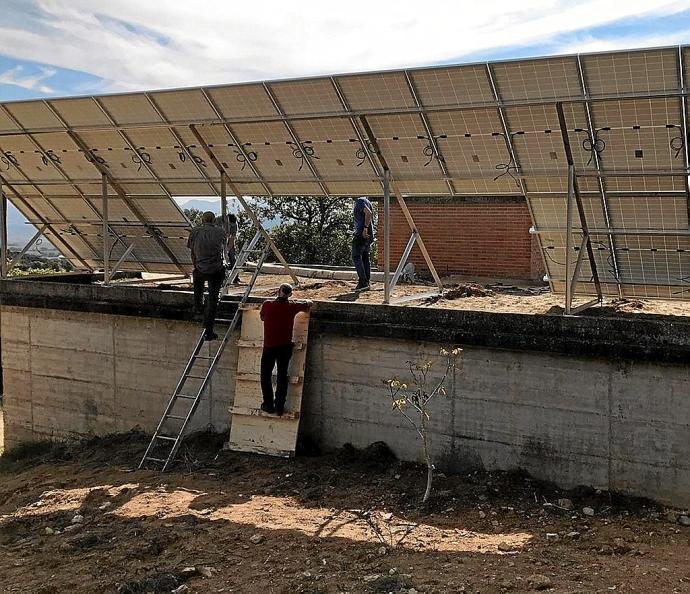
x,y
267,409
359,288
210,335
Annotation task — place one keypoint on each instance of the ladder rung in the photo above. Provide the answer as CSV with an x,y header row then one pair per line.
x,y
186,396
167,438
177,417
195,376
155,460
202,357
224,320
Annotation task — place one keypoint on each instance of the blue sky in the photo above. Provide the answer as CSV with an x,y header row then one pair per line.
x,y
55,48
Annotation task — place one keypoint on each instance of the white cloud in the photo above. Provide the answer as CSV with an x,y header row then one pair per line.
x,y
16,77
160,43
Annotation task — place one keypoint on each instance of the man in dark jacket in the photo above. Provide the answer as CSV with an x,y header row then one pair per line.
x,y
362,213
279,318
207,243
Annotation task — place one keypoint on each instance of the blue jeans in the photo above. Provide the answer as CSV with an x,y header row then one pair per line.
x,y
360,257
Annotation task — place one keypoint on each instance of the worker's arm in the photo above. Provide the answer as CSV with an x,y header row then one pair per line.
x,y
190,245
367,222
261,311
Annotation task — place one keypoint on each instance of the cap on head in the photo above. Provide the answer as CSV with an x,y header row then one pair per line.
x,y
285,289
232,218
208,217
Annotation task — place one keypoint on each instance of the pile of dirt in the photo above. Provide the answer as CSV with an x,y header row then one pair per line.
x,y
460,292
627,304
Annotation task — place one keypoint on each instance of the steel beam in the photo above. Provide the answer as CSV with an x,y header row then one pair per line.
x,y
430,134
684,120
386,238
575,192
295,138
403,260
401,202
4,248
569,238
235,190
609,231
106,231
597,164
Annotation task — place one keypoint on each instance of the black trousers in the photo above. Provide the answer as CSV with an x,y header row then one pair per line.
x,y
271,357
215,282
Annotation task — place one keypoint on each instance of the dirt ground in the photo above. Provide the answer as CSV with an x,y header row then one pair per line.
x,y
80,519
493,297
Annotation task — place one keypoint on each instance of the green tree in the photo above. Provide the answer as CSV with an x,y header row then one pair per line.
x,y
309,230
194,215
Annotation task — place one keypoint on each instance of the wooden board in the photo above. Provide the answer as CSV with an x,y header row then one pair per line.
x,y
251,429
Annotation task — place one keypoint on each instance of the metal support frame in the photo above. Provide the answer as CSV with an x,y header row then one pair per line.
x,y
386,238
403,259
237,143
574,196
58,168
297,141
401,202
40,192
235,190
39,217
224,204
356,113
123,196
597,163
106,233
684,120
115,269
430,135
3,234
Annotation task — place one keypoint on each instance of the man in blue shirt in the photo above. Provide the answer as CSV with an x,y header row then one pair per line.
x,y
363,215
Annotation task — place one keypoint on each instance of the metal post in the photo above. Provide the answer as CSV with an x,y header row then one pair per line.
x,y
3,233
386,238
106,234
569,238
574,193
224,202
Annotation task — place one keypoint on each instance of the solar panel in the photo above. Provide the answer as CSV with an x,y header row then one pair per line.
x,y
467,130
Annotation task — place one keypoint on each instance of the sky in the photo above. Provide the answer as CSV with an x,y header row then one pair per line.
x,y
51,48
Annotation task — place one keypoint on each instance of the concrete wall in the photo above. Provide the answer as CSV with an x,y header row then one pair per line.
x,y
573,419
79,373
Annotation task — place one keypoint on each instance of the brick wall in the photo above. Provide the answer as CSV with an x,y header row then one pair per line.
x,y
478,237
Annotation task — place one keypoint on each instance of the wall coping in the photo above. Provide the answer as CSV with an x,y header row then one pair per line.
x,y
644,338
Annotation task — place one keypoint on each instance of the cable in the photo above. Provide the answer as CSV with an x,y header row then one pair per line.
x,y
593,144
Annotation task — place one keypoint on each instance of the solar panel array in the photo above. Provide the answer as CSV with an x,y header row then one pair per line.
x,y
478,129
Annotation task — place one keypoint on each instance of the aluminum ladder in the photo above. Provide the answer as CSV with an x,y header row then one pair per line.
x,y
166,441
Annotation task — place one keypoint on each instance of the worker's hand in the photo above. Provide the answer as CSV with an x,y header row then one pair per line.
x,y
365,233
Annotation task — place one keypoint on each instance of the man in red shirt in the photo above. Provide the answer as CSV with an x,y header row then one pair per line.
x,y
278,317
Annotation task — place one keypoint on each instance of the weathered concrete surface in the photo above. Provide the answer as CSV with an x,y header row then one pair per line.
x,y
534,393
69,373
645,338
